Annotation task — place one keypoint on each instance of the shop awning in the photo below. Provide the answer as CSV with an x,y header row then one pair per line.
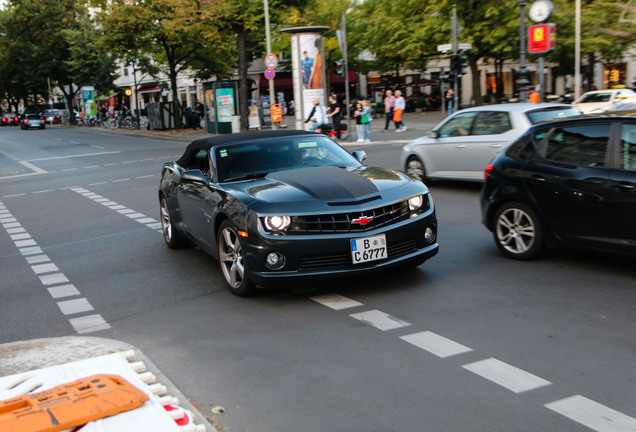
x,y
150,89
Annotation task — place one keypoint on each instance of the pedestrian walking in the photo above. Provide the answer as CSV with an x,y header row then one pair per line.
x,y
357,114
389,103
398,110
335,114
318,114
449,97
366,119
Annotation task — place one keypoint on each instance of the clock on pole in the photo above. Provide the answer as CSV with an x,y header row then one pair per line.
x,y
541,10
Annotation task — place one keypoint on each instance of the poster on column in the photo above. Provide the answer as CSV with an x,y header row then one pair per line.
x,y
225,104
312,69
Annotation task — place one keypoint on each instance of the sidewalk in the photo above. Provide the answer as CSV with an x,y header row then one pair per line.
x,y
36,365
418,125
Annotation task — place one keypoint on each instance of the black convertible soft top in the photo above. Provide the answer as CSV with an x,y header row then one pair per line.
x,y
207,143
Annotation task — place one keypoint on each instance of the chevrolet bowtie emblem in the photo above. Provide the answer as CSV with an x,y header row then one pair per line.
x,y
362,220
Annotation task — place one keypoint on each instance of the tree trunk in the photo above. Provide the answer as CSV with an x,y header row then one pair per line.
x,y
241,37
175,98
474,70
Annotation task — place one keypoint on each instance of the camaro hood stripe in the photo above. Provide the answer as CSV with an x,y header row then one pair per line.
x,y
327,182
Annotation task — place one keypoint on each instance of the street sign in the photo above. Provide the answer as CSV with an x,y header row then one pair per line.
x,y
271,61
270,74
449,47
541,38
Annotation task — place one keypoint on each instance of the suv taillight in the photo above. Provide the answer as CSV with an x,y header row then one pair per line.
x,y
489,168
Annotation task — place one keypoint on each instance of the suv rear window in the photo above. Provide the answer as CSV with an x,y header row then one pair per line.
x,y
551,113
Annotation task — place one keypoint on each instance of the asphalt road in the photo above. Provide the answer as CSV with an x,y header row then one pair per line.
x,y
469,341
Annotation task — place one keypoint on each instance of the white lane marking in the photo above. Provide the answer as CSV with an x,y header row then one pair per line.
x,y
55,282
60,291
132,214
593,415
75,306
336,301
53,279
44,268
42,191
436,344
508,376
37,259
74,156
20,236
380,320
88,324
37,170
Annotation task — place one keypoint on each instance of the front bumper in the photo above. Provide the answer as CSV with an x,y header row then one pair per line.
x,y
329,255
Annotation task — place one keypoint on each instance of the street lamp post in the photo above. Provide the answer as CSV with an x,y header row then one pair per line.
x,y
523,74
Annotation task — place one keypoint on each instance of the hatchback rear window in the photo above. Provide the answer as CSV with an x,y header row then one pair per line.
x,y
551,113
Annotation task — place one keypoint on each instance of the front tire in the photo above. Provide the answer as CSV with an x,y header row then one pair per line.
x,y
232,261
518,232
173,238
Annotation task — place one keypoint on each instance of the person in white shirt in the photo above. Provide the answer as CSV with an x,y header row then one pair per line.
x,y
398,111
318,114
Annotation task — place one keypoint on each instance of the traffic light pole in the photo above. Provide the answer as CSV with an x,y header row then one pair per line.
x,y
455,42
346,74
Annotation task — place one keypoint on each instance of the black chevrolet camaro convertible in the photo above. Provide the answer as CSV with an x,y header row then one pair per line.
x,y
278,206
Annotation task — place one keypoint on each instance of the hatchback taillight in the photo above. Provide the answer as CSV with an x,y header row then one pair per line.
x,y
489,168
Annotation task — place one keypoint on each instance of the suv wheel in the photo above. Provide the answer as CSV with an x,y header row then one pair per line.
x,y
518,232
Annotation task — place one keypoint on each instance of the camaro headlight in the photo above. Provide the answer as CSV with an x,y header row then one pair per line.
x,y
276,223
416,202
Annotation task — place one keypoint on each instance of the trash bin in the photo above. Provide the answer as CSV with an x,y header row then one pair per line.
x,y
236,123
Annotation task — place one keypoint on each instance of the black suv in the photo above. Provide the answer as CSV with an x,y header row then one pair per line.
x,y
570,181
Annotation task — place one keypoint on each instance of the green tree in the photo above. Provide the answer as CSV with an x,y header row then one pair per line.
x,y
178,34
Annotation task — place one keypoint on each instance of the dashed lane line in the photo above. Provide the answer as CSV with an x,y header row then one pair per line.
x,y
578,408
436,344
507,376
380,320
121,209
592,414
50,276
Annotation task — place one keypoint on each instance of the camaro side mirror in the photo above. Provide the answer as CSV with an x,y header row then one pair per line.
x,y
195,175
360,155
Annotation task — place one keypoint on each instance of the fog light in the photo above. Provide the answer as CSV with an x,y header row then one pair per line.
x,y
429,234
275,260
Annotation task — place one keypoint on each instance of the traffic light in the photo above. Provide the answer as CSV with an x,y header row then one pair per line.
x,y
339,69
458,64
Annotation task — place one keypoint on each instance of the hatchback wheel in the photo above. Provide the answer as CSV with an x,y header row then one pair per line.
x,y
518,232
232,262
415,167
174,239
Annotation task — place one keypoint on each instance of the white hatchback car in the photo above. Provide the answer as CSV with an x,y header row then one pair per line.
x,y
600,101
461,146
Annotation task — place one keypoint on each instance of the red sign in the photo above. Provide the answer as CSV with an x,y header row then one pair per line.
x,y
541,38
270,73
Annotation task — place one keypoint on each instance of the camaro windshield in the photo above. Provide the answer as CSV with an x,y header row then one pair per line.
x,y
254,159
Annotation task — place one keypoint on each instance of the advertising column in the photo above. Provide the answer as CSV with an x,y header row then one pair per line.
x,y
308,70
88,101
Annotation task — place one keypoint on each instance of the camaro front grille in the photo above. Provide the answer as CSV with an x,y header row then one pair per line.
x,y
340,261
350,222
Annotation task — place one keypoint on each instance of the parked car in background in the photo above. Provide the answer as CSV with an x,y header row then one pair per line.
x,y
600,101
32,121
289,205
571,181
462,145
52,116
10,119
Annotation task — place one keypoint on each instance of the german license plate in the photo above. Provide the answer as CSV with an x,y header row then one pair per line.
x,y
368,249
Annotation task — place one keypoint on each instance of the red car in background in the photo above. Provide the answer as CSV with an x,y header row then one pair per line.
x,y
10,119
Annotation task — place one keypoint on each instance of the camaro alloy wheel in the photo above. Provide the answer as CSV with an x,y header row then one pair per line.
x,y
518,232
231,261
172,237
